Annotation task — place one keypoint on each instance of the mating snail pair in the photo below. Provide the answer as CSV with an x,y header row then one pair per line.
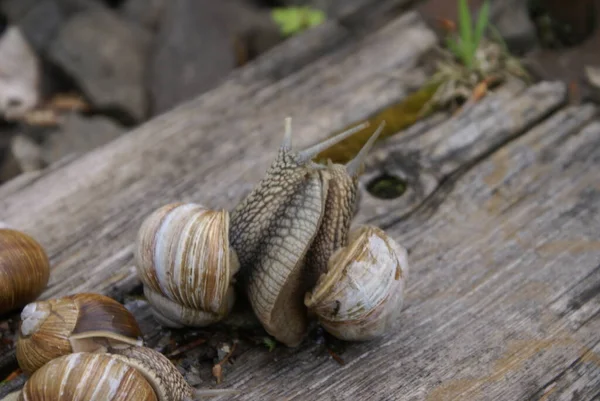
x,y
288,245
89,347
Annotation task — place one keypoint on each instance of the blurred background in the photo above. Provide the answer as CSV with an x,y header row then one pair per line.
x,y
76,74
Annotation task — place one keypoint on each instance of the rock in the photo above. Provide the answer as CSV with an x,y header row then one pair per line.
x,y
42,23
79,134
27,153
573,21
145,12
19,75
15,10
511,18
330,7
40,20
196,46
70,7
592,73
9,166
106,56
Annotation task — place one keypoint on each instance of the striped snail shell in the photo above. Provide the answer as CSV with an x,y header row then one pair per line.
x,y
60,326
360,296
124,373
86,376
186,265
24,269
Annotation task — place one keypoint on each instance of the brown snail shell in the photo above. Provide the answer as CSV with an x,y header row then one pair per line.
x,y
361,295
24,269
85,376
186,265
56,327
124,372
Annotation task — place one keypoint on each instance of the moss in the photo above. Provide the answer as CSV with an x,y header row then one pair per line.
x,y
397,118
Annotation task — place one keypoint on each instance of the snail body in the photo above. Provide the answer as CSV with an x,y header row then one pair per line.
x,y
283,236
56,327
24,269
300,212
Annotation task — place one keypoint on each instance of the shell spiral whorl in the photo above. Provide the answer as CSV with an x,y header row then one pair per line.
x,y
186,265
24,269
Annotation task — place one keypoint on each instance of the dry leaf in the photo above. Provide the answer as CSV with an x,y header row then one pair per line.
x,y
69,102
217,372
42,118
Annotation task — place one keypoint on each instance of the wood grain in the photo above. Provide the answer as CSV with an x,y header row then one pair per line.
x,y
203,151
501,220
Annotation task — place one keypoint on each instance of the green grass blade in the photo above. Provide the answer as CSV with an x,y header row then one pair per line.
x,y
466,32
455,48
482,23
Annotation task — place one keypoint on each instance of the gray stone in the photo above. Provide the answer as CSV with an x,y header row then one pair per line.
x,y
15,10
19,75
107,56
27,153
145,12
79,134
40,20
512,20
196,46
39,23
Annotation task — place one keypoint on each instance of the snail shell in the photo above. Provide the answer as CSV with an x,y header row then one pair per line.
x,y
125,372
186,265
361,295
298,213
57,327
85,376
24,269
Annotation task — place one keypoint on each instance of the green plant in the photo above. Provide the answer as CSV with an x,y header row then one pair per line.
x,y
269,343
469,37
292,20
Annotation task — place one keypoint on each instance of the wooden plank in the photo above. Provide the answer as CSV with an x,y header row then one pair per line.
x,y
581,379
515,234
491,267
427,155
211,150
503,237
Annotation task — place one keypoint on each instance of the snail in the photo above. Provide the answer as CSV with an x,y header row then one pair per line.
x,y
186,264
361,295
56,327
88,347
282,239
24,269
125,372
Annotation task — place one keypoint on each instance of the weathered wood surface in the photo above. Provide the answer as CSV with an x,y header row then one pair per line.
x,y
211,150
501,220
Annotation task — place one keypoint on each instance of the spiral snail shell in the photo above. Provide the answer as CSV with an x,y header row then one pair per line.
x,y
360,296
88,347
24,269
186,265
124,373
60,326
